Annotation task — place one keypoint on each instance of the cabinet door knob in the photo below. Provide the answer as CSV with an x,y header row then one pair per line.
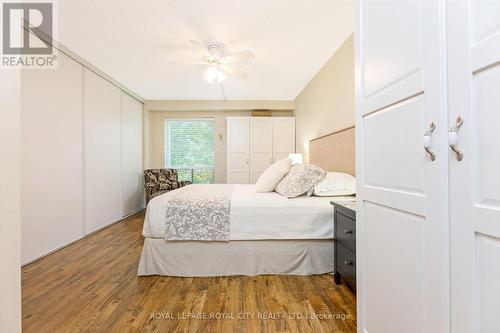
x,y
348,232
348,263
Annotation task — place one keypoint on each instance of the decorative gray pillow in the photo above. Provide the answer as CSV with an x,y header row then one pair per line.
x,y
299,180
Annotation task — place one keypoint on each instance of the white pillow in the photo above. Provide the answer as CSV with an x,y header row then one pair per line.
x,y
300,180
335,184
273,175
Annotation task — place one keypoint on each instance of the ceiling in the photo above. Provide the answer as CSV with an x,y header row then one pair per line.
x,y
135,42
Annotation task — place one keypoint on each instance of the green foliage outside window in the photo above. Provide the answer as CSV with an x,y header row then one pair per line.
x,y
190,148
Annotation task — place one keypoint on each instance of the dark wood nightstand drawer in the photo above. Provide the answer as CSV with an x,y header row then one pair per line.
x,y
345,242
346,231
346,265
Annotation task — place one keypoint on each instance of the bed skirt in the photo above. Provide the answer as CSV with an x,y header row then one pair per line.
x,y
256,257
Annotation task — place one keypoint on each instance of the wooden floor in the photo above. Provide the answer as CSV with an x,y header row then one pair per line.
x,y
92,286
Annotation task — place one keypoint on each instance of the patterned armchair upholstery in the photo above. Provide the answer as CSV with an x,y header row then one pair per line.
x,y
159,181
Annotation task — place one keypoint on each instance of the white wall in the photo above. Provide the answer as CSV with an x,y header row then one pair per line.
x,y
10,202
326,104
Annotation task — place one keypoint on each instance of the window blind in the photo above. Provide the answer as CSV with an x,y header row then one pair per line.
x,y
190,148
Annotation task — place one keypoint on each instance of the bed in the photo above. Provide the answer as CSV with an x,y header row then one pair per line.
x,y
266,232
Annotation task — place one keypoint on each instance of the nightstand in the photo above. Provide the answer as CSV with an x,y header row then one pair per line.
x,y
345,242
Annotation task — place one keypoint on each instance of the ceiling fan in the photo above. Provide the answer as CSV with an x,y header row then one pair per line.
x,y
220,62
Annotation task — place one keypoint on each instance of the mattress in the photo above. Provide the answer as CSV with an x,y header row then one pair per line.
x,y
260,216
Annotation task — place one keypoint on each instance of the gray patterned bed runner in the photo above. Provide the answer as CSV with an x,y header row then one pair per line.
x,y
199,212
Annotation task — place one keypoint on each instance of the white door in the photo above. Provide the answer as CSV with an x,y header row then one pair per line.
x,y
474,81
238,146
402,254
283,137
52,171
103,160
132,170
261,146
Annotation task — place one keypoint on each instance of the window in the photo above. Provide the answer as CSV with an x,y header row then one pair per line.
x,y
190,148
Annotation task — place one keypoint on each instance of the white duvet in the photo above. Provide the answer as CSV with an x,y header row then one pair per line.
x,y
258,216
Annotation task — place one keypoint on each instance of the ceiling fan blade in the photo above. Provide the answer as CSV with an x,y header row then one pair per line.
x,y
238,56
229,70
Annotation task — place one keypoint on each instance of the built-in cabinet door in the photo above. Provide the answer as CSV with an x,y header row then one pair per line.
x,y
474,81
283,137
238,150
52,175
103,160
402,210
132,171
261,147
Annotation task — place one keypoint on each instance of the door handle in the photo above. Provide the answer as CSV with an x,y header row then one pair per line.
x,y
453,138
348,232
427,141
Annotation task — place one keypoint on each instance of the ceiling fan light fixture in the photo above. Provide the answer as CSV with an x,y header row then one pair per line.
x,y
210,74
213,73
221,76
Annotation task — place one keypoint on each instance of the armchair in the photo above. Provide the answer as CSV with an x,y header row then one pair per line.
x,y
159,181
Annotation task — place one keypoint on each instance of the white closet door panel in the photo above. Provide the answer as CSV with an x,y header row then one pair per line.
x,y
396,164
238,162
486,19
260,161
474,77
52,176
398,54
487,273
254,176
238,150
103,161
281,154
486,140
237,178
132,170
401,193
261,146
283,137
404,264
261,134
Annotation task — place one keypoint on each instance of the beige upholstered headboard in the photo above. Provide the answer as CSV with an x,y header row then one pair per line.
x,y
335,151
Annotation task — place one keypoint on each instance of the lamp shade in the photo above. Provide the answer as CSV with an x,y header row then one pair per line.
x,y
296,158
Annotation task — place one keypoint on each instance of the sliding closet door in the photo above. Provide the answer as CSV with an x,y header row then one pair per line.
x,y
52,176
238,150
402,221
474,80
132,171
103,161
283,137
261,146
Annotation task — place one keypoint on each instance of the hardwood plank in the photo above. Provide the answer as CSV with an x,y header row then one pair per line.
x,y
92,286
